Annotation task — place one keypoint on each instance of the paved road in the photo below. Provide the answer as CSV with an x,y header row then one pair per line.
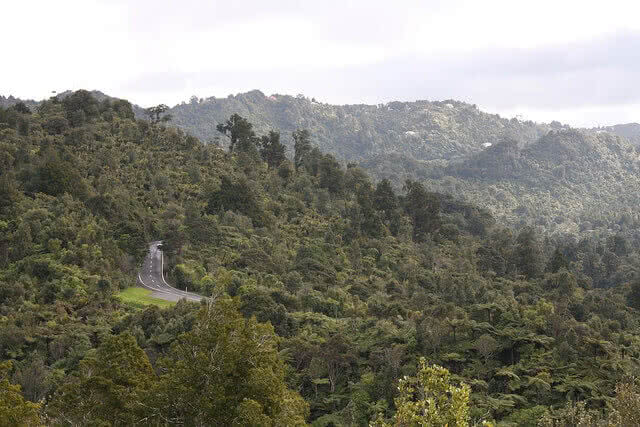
x,y
151,277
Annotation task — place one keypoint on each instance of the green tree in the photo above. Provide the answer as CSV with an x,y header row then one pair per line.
x,y
633,297
237,196
111,386
240,132
528,253
14,409
626,405
574,414
424,209
227,371
79,107
430,399
21,108
272,150
330,174
8,190
384,198
55,176
157,114
302,146
557,261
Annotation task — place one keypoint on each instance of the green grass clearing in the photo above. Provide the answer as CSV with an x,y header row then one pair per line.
x,y
141,297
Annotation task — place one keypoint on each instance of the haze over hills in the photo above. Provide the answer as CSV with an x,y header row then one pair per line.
x,y
6,102
631,131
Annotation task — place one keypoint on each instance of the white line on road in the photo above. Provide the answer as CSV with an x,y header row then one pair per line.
x,y
162,286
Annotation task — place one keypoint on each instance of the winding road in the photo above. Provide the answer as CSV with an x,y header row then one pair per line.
x,y
151,276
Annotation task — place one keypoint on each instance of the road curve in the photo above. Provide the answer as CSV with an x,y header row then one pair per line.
x,y
151,277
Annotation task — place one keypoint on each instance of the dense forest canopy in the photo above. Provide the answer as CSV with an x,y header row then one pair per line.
x,y
335,299
565,181
423,130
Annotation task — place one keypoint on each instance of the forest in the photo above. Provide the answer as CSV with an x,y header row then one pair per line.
x,y
570,182
335,299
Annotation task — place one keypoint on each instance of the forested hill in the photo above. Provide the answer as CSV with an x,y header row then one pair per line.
x,y
564,180
569,181
6,102
420,130
631,131
326,288
586,183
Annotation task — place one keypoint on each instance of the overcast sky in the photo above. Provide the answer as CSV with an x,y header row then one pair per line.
x,y
573,61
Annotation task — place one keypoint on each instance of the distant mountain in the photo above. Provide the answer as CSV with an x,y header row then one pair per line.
x,y
6,102
524,172
568,181
420,130
631,131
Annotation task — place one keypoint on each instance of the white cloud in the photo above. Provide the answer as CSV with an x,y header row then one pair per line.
x,y
336,50
266,44
60,45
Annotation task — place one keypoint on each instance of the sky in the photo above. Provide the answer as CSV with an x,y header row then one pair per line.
x,y
577,62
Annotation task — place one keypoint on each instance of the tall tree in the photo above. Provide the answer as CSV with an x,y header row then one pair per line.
x,y
272,150
237,195
239,131
633,297
14,409
423,208
384,198
157,114
80,106
430,399
528,253
302,146
227,371
110,386
557,261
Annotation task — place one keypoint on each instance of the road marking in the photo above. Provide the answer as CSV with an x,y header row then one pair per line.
x,y
163,286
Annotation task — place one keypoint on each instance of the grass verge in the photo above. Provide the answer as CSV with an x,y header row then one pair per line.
x,y
141,297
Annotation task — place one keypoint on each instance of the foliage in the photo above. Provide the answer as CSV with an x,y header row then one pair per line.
x,y
431,400
15,410
240,133
356,278
422,130
525,173
227,371
157,114
109,388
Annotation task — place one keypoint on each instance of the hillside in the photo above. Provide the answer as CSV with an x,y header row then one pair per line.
x,y
454,148
568,182
326,287
420,130
563,180
631,131
6,102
